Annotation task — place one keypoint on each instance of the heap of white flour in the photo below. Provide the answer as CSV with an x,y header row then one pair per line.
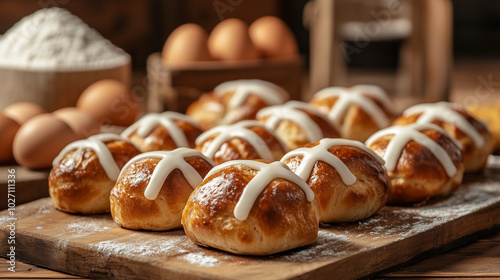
x,y
54,39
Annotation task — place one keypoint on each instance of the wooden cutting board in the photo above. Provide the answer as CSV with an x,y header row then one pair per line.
x,y
94,246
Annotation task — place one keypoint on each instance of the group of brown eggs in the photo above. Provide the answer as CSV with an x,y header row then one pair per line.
x,y
33,137
230,40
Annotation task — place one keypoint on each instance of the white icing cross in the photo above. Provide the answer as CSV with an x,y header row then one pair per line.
x,y
146,124
238,130
320,153
170,160
269,92
95,143
405,134
358,95
268,172
292,111
444,111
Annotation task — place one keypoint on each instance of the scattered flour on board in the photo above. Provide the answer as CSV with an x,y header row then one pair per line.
x,y
55,39
201,259
427,217
140,246
329,244
4,219
86,227
62,244
45,209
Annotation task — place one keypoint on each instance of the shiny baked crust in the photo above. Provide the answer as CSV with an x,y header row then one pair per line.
x,y
213,109
339,202
419,175
355,124
294,136
474,157
82,186
131,209
280,219
239,148
161,140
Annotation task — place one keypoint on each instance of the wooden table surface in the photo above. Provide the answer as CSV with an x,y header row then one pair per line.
x,y
480,259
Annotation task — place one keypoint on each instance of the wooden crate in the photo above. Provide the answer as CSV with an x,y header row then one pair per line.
x,y
173,88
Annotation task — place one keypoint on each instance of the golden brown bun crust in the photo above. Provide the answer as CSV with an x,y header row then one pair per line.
x,y
131,209
238,148
294,136
83,186
280,219
339,202
419,175
490,114
356,124
474,157
212,109
161,140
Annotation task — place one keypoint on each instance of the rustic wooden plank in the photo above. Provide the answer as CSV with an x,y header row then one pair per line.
x,y
29,184
95,247
479,259
27,271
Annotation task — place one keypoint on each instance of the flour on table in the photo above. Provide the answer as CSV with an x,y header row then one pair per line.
x,y
201,259
415,220
329,244
140,246
86,227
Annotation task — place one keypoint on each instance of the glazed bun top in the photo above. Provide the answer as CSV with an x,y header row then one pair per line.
x,y
98,144
234,101
297,123
270,93
320,151
448,113
264,174
392,141
179,127
169,161
372,99
242,140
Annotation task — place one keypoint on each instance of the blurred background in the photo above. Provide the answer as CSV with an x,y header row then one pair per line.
x,y
141,28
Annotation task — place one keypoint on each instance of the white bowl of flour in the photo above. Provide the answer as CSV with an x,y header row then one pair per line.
x,y
51,56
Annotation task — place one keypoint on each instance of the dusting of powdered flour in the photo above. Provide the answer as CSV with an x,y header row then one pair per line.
x,y
85,227
403,222
329,244
55,39
201,259
140,245
166,246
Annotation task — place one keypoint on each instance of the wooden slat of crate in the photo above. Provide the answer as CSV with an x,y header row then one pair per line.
x,y
174,88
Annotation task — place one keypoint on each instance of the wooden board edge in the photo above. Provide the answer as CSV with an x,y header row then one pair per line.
x,y
435,252
485,220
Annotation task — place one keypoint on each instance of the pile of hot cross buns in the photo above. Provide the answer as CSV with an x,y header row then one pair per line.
x,y
248,171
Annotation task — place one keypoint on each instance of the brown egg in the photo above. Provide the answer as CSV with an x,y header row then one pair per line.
x,y
83,124
109,102
8,130
229,40
40,140
23,111
273,38
187,43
